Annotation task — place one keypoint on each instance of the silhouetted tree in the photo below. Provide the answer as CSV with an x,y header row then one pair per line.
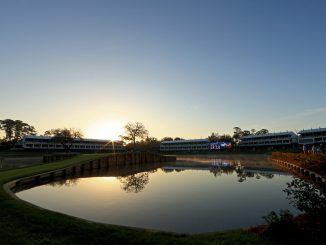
x,y
178,138
225,138
134,131
262,131
245,133
213,137
65,137
149,144
237,134
305,196
15,130
167,139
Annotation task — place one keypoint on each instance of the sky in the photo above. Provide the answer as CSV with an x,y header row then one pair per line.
x,y
183,68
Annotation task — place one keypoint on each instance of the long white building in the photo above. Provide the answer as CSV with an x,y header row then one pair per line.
x,y
312,136
47,143
269,140
185,145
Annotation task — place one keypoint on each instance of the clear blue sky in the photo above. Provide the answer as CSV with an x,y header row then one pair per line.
x,y
183,68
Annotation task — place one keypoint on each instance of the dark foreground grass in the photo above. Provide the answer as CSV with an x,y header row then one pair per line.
x,y
22,223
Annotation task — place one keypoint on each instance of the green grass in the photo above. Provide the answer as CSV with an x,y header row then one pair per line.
x,y
22,223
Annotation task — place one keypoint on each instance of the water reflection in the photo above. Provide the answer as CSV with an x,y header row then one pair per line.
x,y
134,179
64,182
244,169
183,196
134,183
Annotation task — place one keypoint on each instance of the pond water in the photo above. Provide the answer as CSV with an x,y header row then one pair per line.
x,y
192,195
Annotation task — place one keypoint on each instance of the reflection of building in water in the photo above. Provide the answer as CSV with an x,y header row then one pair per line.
x,y
244,173
219,168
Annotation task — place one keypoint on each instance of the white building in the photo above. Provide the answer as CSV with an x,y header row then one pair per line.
x,y
269,140
312,136
185,145
47,143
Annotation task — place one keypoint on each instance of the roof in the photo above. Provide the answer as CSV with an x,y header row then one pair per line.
x,y
269,134
313,130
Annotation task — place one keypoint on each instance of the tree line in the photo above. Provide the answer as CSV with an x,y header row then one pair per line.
x,y
135,136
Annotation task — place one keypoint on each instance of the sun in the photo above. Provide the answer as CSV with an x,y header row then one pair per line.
x,y
104,129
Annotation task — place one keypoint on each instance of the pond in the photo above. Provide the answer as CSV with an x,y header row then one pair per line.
x,y
192,195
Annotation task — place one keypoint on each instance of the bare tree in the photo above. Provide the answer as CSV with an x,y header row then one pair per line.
x,y
134,131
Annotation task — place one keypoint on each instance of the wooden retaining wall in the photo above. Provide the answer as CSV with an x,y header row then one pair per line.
x,y
114,160
316,178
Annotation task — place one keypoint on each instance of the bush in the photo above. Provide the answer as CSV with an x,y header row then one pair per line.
x,y
281,225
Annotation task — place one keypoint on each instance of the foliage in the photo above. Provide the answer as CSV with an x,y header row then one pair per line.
x,y
167,139
214,137
15,130
305,196
178,138
281,225
134,131
238,133
64,136
262,131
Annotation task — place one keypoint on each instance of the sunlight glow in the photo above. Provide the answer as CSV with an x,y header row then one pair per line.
x,y
104,129
106,179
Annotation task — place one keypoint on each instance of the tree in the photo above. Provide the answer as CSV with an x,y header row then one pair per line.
x,y
15,130
213,137
237,134
245,133
167,139
65,136
134,131
225,138
262,131
150,144
178,138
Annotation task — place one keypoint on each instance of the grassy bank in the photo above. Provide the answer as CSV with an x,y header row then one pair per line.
x,y
22,223
313,162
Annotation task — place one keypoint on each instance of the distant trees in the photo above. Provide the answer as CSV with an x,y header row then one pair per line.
x,y
150,144
238,133
178,138
167,139
65,137
214,137
262,131
15,130
133,132
225,138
